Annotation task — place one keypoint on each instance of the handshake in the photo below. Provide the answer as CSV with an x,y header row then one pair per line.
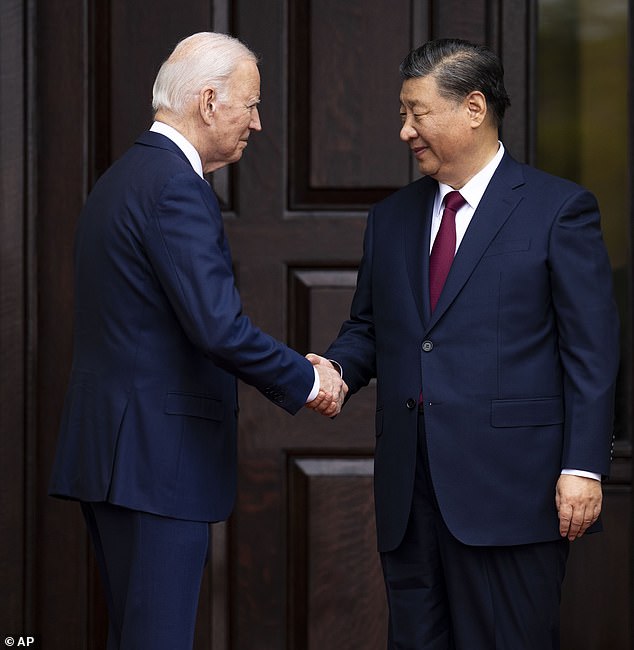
x,y
332,388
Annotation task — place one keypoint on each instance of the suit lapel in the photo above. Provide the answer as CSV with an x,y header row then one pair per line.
x,y
498,202
416,232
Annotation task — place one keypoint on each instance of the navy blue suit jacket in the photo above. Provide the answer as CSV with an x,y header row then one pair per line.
x,y
517,364
149,421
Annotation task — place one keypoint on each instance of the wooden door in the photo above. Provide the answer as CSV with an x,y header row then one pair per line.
x,y
295,567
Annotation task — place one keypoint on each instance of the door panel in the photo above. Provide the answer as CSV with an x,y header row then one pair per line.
x,y
343,94
330,540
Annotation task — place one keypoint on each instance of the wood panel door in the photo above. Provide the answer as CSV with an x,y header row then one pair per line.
x,y
295,567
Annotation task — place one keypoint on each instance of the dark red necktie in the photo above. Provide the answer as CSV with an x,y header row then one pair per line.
x,y
444,248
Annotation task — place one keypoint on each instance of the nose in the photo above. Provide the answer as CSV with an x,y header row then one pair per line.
x,y
255,124
407,131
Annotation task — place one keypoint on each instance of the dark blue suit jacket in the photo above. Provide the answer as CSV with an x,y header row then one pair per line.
x,y
149,421
517,364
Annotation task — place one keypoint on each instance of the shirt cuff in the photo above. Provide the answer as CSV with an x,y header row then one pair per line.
x,y
583,473
315,391
337,366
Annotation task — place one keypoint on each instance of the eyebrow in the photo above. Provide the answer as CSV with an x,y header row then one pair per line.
x,y
411,103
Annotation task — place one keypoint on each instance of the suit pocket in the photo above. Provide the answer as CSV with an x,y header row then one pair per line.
x,y
198,406
507,246
535,412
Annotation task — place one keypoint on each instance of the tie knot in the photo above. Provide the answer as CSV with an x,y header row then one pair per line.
x,y
454,201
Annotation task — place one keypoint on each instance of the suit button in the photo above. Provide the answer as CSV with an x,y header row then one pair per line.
x,y
427,346
411,403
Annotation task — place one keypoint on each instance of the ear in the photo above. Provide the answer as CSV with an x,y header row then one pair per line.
x,y
207,104
476,105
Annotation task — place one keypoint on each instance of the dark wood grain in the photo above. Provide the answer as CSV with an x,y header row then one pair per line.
x,y
335,592
13,299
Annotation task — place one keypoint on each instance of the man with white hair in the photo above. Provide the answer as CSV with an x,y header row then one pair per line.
x,y
147,440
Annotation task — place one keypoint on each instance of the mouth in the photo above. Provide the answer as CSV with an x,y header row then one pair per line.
x,y
418,151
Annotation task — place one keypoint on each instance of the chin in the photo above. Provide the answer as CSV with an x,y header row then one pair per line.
x,y
429,170
426,171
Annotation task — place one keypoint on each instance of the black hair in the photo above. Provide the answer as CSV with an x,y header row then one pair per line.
x,y
460,67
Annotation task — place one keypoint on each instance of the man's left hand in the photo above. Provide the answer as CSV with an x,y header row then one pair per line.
x,y
578,502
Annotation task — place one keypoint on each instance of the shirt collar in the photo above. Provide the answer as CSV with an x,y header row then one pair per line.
x,y
182,143
473,190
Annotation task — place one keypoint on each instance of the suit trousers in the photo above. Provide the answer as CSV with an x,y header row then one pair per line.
x,y
151,569
445,595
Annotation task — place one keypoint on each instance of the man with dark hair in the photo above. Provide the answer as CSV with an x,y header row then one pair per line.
x,y
484,309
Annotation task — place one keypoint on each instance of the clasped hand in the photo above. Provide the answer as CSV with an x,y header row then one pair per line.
x,y
332,388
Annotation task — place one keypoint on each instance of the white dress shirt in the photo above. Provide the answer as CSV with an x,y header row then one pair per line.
x,y
472,193
182,143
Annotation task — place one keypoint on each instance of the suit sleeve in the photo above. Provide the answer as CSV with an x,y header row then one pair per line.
x,y
189,254
587,321
355,346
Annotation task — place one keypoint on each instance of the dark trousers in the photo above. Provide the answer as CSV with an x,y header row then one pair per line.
x,y
444,595
151,568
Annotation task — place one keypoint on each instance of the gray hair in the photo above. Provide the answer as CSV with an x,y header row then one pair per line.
x,y
205,59
459,68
